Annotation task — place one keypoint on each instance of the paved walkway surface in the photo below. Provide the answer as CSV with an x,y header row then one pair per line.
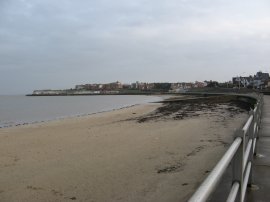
x,y
261,169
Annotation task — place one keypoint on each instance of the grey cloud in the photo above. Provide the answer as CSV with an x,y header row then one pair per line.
x,y
68,42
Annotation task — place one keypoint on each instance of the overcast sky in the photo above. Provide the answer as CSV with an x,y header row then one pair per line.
x,y
59,43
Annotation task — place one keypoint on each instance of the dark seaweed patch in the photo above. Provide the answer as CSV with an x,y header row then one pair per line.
x,y
221,106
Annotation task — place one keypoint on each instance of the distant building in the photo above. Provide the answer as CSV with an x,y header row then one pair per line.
x,y
126,86
242,81
150,86
188,85
47,92
198,84
258,81
116,85
262,76
80,87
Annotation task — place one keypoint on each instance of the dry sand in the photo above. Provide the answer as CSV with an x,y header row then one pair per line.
x,y
112,157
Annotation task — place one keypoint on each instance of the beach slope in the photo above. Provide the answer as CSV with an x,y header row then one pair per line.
x,y
114,156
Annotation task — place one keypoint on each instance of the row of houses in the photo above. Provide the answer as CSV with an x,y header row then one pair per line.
x,y
143,86
259,81
97,87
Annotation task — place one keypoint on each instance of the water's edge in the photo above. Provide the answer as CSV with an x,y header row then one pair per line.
x,y
39,111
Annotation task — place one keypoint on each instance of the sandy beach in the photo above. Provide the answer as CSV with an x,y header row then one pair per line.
x,y
114,156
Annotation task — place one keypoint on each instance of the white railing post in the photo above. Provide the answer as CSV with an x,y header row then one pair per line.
x,y
237,163
251,135
258,122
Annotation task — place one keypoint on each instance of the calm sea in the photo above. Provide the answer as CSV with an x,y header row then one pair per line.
x,y
18,110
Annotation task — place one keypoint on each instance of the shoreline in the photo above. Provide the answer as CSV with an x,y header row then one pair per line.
x,y
68,117
33,118
112,156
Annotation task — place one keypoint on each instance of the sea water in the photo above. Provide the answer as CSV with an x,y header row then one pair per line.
x,y
19,110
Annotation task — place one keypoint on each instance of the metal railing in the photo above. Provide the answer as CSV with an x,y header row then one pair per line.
x,y
240,154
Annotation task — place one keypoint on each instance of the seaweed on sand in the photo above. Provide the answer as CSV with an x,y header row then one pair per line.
x,y
228,106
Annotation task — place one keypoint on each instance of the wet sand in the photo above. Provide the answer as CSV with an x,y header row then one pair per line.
x,y
121,155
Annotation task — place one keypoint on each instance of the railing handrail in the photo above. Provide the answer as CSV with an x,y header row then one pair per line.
x,y
207,187
248,123
245,154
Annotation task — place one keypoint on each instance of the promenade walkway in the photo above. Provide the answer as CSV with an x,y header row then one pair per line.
x,y
260,191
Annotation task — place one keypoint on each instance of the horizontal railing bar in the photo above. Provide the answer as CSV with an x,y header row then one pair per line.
x,y
209,184
244,187
254,145
247,125
246,155
233,193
